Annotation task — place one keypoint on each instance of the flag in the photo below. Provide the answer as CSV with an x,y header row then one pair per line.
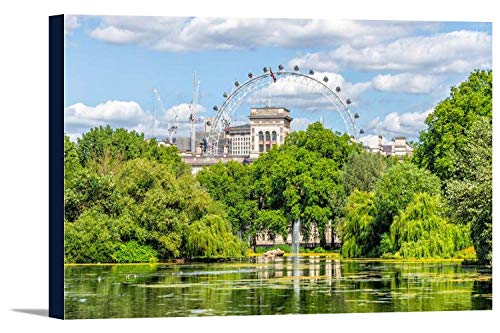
x,y
272,74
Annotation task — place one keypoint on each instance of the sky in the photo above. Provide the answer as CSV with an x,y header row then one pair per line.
x,y
394,72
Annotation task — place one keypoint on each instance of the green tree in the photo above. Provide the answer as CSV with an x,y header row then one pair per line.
x,y
450,120
362,170
211,237
396,187
358,228
71,161
90,239
302,179
90,190
103,149
420,232
469,192
231,184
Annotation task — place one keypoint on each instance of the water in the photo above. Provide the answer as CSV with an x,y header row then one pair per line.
x,y
281,285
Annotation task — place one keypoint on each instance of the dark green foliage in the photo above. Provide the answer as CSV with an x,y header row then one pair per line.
x,y
449,122
420,232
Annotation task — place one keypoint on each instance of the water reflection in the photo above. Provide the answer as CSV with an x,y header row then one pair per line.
x,y
273,286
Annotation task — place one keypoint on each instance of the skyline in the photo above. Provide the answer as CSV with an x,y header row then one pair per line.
x,y
394,72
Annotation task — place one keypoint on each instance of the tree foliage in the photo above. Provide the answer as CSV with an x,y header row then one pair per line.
x,y
142,208
450,120
469,192
396,187
301,179
231,184
420,231
358,228
362,171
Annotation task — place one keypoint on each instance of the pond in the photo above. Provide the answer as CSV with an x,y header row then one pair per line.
x,y
281,285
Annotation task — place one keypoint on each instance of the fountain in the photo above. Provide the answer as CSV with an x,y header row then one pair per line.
x,y
296,238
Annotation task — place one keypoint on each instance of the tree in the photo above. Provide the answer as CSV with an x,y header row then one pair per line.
x,y
301,179
71,160
395,189
469,192
362,170
103,149
358,228
231,184
420,232
140,209
211,237
450,120
329,144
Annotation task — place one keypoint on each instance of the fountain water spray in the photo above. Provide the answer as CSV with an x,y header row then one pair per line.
x,y
296,238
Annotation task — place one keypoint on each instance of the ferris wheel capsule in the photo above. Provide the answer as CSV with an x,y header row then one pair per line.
x,y
356,115
337,89
361,131
264,69
280,67
224,94
296,68
236,83
348,101
250,75
216,108
311,72
325,79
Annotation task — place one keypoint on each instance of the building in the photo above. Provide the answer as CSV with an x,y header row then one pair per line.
x,y
397,147
237,139
269,126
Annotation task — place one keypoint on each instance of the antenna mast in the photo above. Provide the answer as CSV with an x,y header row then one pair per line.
x,y
192,117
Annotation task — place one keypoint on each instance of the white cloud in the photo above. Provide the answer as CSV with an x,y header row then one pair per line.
x,y
79,118
299,124
453,52
408,124
372,140
407,83
191,34
115,35
71,22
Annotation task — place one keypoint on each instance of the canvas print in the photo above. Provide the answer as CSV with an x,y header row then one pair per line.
x,y
251,166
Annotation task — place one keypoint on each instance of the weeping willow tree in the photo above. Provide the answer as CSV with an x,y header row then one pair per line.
x,y
420,232
359,238
211,237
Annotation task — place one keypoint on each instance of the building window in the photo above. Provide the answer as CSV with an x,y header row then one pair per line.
x,y
261,148
268,136
274,137
268,147
261,136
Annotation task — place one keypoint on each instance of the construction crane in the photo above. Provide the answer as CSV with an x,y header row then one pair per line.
x,y
192,116
173,124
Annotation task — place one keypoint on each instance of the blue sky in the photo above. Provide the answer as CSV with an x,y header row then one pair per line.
x,y
395,72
